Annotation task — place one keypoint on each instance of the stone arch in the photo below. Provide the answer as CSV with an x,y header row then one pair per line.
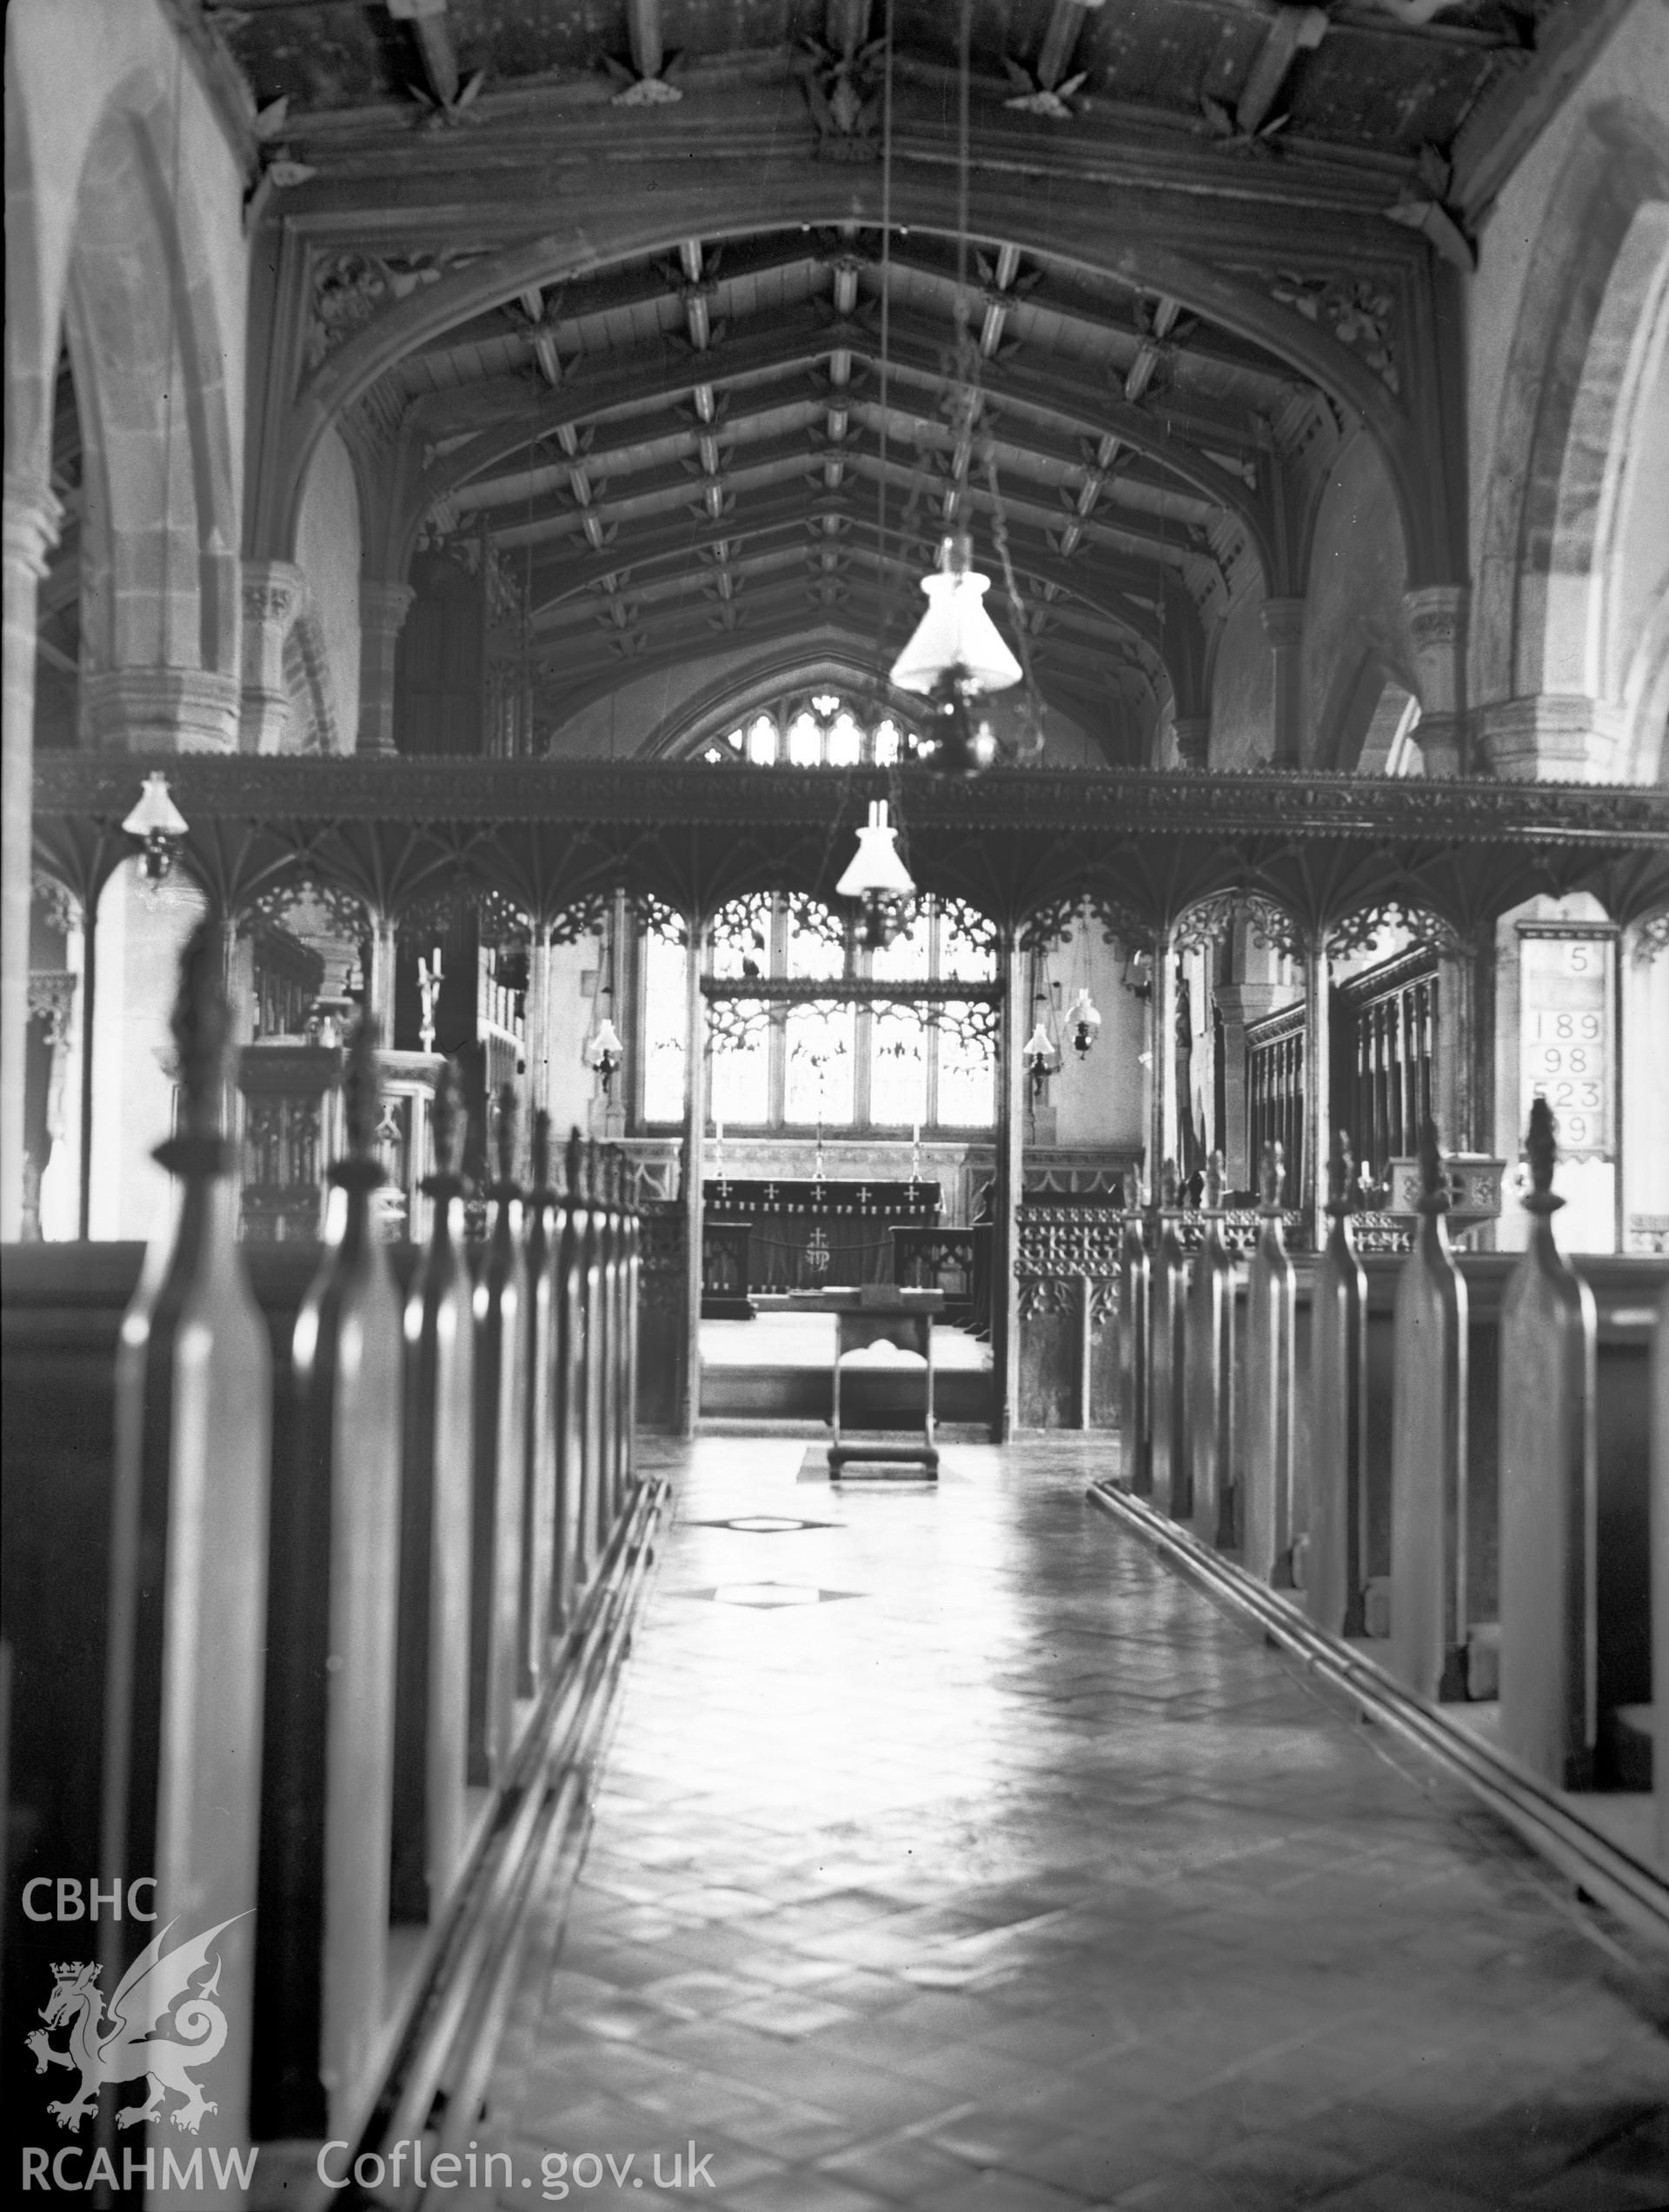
x,y
1573,679
1369,725
313,725
161,623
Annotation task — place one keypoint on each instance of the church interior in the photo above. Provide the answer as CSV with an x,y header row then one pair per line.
x,y
833,1018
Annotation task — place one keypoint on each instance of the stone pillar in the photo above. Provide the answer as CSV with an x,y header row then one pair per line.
x,y
1553,737
1194,741
1437,619
161,710
1013,1086
1318,1091
272,593
32,515
1283,625
379,981
694,1132
538,1031
1161,1136
383,610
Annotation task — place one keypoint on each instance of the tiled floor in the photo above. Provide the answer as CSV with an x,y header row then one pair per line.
x,y
1012,1876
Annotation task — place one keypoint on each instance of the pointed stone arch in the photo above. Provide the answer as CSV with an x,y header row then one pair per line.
x,y
161,618
1572,685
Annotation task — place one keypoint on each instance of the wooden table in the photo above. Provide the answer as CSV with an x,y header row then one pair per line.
x,y
877,1313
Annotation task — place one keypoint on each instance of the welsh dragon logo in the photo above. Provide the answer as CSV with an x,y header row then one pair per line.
x,y
124,2045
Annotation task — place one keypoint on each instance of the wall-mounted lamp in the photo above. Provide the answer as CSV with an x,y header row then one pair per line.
x,y
604,1054
1086,1023
1038,1052
159,822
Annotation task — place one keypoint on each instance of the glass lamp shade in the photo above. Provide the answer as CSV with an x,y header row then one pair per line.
x,y
160,823
155,815
605,1043
1086,1023
1037,1048
955,638
875,866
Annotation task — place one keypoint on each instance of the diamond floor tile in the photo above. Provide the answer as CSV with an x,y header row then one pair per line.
x,y
1030,1881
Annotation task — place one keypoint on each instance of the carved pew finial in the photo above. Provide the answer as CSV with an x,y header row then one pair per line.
x,y
539,1154
448,1123
504,1137
1342,1195
1434,1171
202,1024
1214,1193
575,1165
361,1096
1541,1150
1272,1174
1167,1182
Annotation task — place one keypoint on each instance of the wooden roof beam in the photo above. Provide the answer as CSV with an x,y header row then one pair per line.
x,y
852,430
653,599
778,610
643,35
1061,40
670,494
433,37
1293,29
795,344
555,581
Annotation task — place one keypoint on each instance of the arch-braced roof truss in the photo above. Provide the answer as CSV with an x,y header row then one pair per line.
x,y
633,311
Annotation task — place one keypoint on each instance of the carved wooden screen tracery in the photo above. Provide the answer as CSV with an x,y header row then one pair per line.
x,y
806,1026
1385,1056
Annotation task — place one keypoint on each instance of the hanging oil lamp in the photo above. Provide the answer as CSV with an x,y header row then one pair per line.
x,y
878,880
956,657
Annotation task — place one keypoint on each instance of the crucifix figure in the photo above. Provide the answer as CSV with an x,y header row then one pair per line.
x,y
429,989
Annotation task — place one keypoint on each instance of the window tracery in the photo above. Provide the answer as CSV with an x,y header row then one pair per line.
x,y
839,1061
820,729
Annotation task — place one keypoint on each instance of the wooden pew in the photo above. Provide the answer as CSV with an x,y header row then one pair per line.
x,y
1168,1338
431,1689
501,1302
327,1771
539,1494
1267,1524
1213,1377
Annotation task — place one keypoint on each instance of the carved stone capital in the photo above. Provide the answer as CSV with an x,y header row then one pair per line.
x,y
1283,622
34,515
272,592
1283,625
51,1001
1551,737
383,605
162,710
383,608
1437,615
1437,623
1193,741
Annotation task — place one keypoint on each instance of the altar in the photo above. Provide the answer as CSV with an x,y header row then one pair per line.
x,y
804,1235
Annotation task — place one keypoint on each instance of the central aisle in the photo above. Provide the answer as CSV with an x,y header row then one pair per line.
x,y
950,1852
